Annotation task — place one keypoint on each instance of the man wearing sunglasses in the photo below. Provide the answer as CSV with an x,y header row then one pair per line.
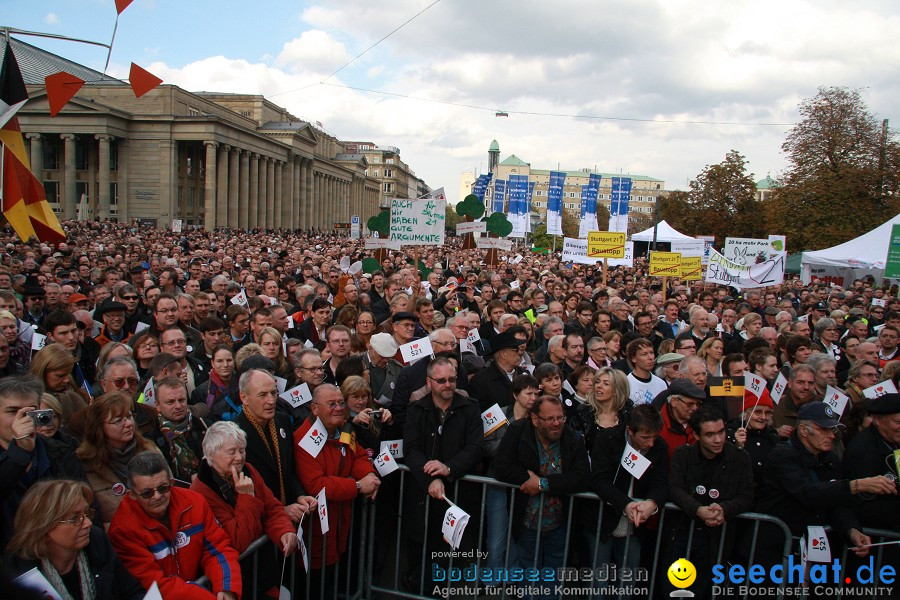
x,y
170,536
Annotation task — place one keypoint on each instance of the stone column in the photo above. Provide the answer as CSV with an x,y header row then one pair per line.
x,y
69,201
244,192
221,215
304,193
122,179
37,156
103,170
315,192
209,187
253,200
261,202
270,192
310,192
233,192
287,193
278,218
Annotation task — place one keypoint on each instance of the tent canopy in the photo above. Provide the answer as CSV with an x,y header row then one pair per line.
x,y
857,258
664,233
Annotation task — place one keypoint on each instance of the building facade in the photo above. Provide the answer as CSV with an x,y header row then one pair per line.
x,y
210,159
396,177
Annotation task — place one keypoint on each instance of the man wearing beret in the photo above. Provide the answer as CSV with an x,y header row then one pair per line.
x,y
872,453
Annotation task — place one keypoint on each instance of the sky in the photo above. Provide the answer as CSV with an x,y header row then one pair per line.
x,y
596,84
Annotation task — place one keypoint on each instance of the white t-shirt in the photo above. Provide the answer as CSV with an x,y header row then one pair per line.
x,y
644,391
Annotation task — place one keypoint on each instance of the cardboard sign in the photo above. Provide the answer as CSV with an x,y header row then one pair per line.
x,y
418,222
297,396
575,250
384,464
497,243
240,299
837,400
725,272
880,389
38,341
605,244
778,388
472,227
754,384
149,394
818,549
314,440
453,525
492,419
665,264
381,244
634,462
416,350
395,447
322,510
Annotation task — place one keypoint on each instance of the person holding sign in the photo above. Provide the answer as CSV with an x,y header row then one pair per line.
x,y
618,482
546,460
711,481
752,433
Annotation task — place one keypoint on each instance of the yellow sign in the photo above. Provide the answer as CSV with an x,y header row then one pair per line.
x,y
692,268
665,264
605,244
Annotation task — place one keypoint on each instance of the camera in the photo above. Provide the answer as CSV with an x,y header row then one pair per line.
x,y
376,414
41,418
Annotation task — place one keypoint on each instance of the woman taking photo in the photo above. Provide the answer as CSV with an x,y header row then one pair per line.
x,y
220,392
110,441
711,351
53,365
366,418
54,533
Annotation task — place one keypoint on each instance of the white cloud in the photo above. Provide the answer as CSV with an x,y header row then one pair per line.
x,y
314,51
51,19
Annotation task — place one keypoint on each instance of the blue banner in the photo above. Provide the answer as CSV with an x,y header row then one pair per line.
x,y
589,195
618,204
481,186
518,204
554,202
499,195
530,194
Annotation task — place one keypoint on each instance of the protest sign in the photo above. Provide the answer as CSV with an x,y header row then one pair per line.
x,y
892,263
750,251
836,399
395,447
880,389
689,247
665,264
418,222
634,462
605,244
381,243
314,440
492,419
489,242
322,509
384,464
691,268
575,250
416,350
454,524
726,272
473,227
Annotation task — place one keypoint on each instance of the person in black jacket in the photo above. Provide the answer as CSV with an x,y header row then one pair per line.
x,y
55,535
270,441
617,487
493,384
547,460
442,442
711,482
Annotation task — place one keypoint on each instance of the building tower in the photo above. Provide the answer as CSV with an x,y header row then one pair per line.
x,y
493,156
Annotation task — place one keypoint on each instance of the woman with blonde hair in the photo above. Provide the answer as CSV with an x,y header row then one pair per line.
x,y
53,365
54,534
110,441
606,406
711,351
269,340
613,339
19,349
367,419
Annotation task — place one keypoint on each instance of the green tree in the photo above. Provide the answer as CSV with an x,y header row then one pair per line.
x,y
452,219
723,200
675,208
842,179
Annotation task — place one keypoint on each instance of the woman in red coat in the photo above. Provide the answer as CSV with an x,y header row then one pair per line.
x,y
242,503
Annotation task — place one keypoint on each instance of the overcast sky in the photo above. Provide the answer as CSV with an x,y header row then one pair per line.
x,y
745,62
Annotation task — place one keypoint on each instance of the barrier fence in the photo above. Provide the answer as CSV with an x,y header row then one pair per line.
x,y
382,560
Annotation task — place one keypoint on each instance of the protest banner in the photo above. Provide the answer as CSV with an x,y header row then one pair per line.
x,y
381,243
418,222
726,272
750,251
605,244
708,241
575,250
665,264
688,247
892,262
497,243
471,227
691,268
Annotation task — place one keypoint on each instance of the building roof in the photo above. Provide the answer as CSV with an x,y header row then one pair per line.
x,y
495,146
767,184
513,161
36,64
632,176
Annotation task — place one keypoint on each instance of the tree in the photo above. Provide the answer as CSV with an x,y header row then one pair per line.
x,y
723,201
676,210
452,219
571,222
842,179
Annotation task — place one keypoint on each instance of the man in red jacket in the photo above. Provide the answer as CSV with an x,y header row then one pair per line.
x,y
169,535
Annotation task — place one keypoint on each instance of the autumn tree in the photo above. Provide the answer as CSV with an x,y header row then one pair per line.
x,y
723,201
842,178
675,209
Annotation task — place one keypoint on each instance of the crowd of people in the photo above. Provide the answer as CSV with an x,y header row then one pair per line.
x,y
148,431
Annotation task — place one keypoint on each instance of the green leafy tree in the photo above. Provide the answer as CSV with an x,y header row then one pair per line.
x,y
723,200
843,177
451,219
675,208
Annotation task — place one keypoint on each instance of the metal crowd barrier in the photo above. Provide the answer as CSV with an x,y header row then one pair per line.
x,y
373,566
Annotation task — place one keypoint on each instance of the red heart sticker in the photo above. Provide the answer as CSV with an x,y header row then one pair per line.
x,y
488,415
634,457
396,445
387,457
879,389
315,433
452,522
415,346
323,511
296,392
815,543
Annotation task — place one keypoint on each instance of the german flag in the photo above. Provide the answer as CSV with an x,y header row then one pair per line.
x,y
22,198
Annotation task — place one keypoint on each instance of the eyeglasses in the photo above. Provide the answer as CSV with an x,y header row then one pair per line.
x,y
599,349
552,419
121,382
129,297
447,344
695,404
313,369
178,342
163,490
365,322
120,421
334,405
166,311
77,519
443,380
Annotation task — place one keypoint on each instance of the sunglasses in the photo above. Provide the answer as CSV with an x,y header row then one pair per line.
x,y
443,380
163,490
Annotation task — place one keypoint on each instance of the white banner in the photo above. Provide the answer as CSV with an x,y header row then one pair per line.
x,y
473,227
378,243
418,222
749,251
689,247
575,250
725,272
498,243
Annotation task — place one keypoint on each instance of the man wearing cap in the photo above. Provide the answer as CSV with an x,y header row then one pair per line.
x,y
770,314
383,366
803,484
113,330
33,297
667,366
78,301
684,399
493,384
872,453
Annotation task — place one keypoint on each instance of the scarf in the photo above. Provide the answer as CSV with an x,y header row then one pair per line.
x,y
88,590
222,486
181,455
217,388
271,444
118,459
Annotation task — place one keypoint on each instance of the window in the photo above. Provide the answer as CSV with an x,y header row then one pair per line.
x,y
376,159
389,161
388,172
113,200
51,190
539,192
51,156
113,155
81,155
388,187
375,173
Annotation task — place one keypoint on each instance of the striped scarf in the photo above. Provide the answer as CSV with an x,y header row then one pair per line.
x,y
271,443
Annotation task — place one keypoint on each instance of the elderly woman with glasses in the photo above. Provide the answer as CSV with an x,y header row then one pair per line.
x,y
55,534
110,441
241,502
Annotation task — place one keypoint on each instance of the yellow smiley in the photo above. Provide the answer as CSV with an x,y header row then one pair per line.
x,y
682,573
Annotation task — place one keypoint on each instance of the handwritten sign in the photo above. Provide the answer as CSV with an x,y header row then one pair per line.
x,y
605,244
381,243
665,264
489,242
418,222
473,227
726,272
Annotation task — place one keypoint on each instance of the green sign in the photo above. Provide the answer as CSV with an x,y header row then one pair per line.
x,y
892,264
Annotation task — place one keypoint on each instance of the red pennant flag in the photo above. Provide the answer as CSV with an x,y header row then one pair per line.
x,y
121,5
142,81
60,89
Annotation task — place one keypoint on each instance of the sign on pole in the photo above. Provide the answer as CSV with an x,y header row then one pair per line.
x,y
176,225
691,268
354,227
418,222
665,264
605,244
892,264
575,250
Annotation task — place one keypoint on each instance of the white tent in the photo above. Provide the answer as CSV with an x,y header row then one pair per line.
x,y
851,260
664,233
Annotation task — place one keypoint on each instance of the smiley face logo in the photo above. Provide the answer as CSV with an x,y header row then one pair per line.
x,y
682,573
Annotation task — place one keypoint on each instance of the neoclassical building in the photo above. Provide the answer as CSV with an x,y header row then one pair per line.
x,y
210,159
